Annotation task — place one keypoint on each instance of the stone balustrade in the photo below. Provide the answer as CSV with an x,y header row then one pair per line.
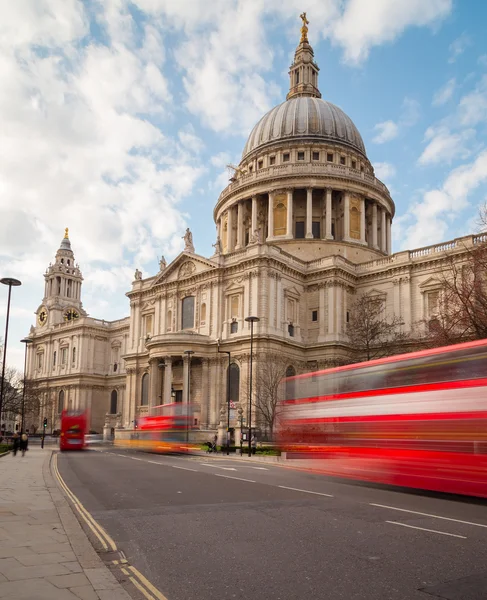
x,y
310,169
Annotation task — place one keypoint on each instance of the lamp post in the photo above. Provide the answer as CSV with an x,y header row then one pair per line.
x,y
251,320
25,341
228,395
188,354
11,282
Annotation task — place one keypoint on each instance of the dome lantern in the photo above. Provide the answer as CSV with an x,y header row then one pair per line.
x,y
303,73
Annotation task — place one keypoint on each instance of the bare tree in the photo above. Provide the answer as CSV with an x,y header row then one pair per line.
x,y
271,369
370,332
461,312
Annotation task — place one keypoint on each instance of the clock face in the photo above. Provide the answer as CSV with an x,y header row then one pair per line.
x,y
42,317
71,314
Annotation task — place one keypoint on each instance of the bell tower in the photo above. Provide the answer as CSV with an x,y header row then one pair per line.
x,y
62,295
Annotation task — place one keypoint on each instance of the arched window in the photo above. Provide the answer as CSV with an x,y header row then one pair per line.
x,y
113,402
169,321
144,401
54,358
280,219
187,320
74,356
290,385
234,382
60,402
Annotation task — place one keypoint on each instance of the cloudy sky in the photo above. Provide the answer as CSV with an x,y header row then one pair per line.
x,y
117,119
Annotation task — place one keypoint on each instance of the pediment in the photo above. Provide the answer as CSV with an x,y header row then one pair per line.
x,y
293,291
184,266
376,292
431,282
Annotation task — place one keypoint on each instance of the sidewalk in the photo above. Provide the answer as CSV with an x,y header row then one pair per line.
x,y
44,553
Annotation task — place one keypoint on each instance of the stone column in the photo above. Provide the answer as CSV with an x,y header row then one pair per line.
x,y
240,208
383,242
374,226
321,313
253,221
328,234
205,393
219,228
362,220
154,372
167,380
289,214
388,235
346,217
331,310
309,213
270,217
339,310
230,230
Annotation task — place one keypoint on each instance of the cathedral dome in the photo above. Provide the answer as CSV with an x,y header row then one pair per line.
x,y
308,119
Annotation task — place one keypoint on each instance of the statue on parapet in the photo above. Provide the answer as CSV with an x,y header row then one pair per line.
x,y
257,237
162,263
137,275
188,241
217,245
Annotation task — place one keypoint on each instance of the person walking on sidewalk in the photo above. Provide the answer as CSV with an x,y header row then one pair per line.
x,y
24,443
15,443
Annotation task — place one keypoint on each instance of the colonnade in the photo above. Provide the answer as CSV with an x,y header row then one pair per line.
x,y
333,215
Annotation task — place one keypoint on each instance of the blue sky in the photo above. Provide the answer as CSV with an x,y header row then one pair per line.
x,y
117,119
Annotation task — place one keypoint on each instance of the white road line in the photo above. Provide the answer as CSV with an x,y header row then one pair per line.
x,y
133,458
284,487
154,462
218,467
184,468
414,512
424,529
230,477
260,468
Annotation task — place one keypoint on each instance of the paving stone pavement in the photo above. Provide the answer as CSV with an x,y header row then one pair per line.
x,y
44,553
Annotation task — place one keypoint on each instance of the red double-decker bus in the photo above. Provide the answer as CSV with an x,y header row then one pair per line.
x,y
417,420
73,430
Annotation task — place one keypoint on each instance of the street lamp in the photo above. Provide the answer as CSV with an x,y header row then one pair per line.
x,y
11,282
25,341
251,320
188,354
228,395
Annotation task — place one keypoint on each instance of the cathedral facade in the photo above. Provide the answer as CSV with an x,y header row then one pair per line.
x,y
303,228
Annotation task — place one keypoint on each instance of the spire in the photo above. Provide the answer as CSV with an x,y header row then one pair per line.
x,y
303,73
65,244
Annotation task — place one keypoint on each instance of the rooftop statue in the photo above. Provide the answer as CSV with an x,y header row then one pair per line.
x,y
188,241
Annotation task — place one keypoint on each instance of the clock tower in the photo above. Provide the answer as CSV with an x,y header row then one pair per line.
x,y
62,296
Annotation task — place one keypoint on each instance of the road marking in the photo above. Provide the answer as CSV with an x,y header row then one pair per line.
x,y
424,529
97,529
230,477
414,512
218,467
159,595
260,468
284,487
154,462
184,468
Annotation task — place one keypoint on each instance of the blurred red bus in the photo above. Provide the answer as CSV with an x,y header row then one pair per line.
x,y
73,430
417,420
169,428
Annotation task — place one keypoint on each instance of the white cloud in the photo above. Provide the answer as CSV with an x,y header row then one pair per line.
x,y
444,93
427,220
458,47
386,131
364,25
445,146
384,171
473,106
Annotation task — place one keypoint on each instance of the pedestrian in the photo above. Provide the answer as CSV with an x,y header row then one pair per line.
x,y
24,443
254,444
15,443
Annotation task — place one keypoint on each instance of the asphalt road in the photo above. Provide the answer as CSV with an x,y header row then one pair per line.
x,y
206,528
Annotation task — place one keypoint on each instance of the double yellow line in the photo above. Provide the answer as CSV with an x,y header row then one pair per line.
x,y
134,575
